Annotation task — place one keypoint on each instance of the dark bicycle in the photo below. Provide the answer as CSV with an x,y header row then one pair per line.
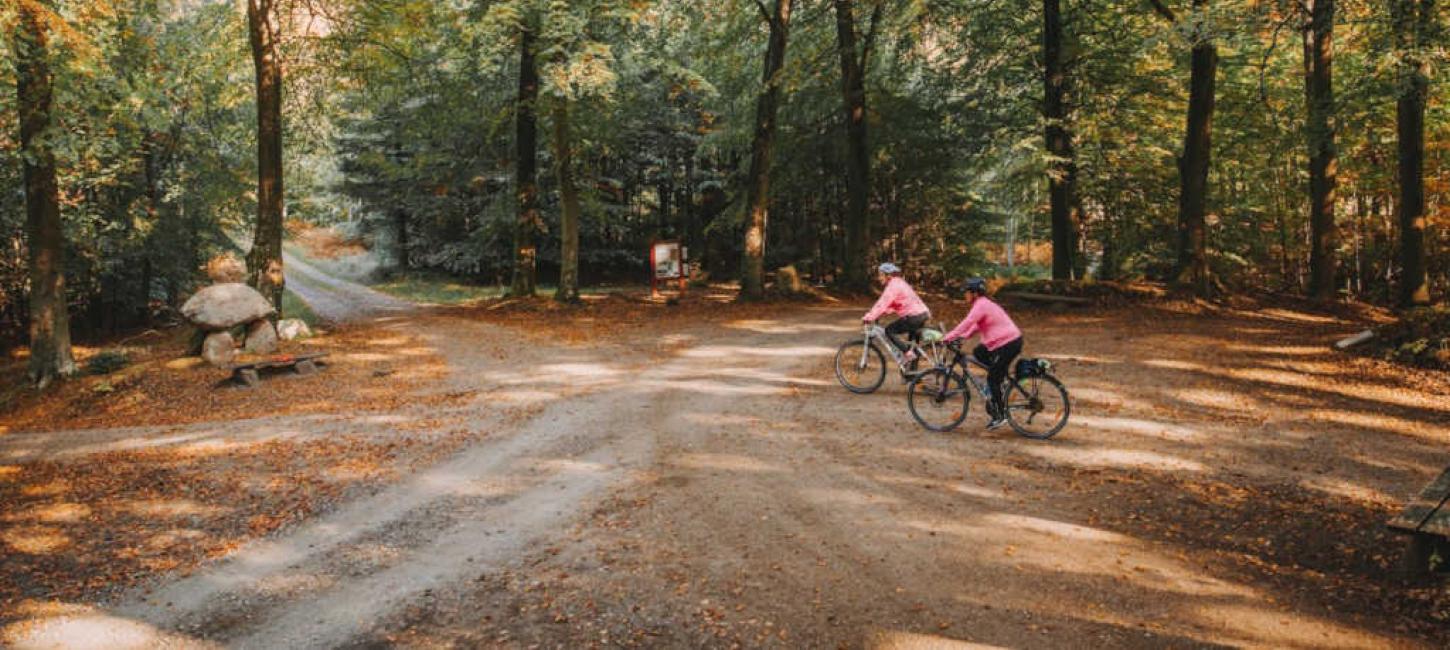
x,y
1036,402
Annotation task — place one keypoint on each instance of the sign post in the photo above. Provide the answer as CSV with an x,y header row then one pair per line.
x,y
667,262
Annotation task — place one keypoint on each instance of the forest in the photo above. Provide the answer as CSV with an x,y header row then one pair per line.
x,y
1219,146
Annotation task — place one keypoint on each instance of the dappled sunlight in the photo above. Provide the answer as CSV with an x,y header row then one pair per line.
x,y
1119,458
1139,427
76,626
573,465
901,640
708,386
722,419
521,395
726,462
1214,398
1055,528
1174,364
1342,489
389,341
35,540
736,351
51,513
166,539
590,370
1283,629
1293,316
1372,421
1257,351
786,327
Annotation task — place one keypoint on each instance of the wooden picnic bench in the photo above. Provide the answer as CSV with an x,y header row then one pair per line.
x,y
1426,519
250,375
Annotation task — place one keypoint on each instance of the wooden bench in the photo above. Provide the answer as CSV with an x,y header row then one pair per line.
x,y
250,375
1426,519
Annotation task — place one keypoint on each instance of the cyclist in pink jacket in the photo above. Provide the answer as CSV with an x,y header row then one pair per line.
x,y
1001,342
899,299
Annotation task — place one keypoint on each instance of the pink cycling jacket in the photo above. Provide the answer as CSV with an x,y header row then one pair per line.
x,y
898,298
988,319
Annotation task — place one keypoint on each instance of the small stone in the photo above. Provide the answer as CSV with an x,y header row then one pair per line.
x,y
261,337
289,329
219,349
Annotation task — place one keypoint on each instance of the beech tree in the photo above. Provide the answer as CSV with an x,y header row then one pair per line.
x,y
1412,23
264,262
752,271
50,345
1318,57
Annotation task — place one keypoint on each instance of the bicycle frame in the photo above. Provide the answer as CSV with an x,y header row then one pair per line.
x,y
966,377
876,332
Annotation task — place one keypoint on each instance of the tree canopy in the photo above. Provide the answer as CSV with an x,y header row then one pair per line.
x,y
979,121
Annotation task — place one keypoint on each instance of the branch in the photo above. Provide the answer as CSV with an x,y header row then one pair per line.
x,y
870,36
1163,10
765,13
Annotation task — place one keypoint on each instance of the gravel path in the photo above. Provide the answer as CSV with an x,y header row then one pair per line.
x,y
711,486
336,300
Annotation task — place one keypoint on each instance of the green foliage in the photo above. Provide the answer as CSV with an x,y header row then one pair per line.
x,y
107,362
294,307
1421,337
400,114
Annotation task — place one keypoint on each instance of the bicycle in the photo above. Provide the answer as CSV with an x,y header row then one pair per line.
x,y
1037,403
861,365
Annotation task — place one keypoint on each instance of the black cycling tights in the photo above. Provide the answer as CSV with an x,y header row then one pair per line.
x,y
998,362
908,325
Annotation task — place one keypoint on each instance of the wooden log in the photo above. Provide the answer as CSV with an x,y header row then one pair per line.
x,y
1351,341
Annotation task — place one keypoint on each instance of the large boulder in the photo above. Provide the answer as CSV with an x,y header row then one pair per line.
x,y
261,337
224,306
219,349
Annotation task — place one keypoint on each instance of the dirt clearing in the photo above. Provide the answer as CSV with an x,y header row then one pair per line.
x,y
692,476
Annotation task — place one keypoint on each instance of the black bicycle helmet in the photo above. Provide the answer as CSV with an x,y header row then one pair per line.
x,y
975,285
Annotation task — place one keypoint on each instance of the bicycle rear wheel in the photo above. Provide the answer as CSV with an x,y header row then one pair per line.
x,y
1037,407
860,368
937,400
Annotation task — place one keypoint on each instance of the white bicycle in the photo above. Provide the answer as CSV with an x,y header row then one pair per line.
x,y
861,363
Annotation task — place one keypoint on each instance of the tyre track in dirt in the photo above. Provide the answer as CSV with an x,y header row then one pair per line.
x,y
336,300
578,427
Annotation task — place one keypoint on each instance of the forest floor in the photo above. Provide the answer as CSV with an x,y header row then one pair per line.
x,y
516,473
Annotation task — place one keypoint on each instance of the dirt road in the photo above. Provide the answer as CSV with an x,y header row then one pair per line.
x,y
709,485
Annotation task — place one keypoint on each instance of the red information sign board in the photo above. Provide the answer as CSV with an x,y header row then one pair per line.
x,y
667,262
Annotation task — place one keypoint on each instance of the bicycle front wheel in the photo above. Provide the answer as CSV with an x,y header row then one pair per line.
x,y
860,368
1037,407
937,400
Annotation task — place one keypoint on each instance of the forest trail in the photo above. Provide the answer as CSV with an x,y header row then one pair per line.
x,y
337,300
707,484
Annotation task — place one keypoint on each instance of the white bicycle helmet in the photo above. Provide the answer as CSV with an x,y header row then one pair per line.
x,y
888,268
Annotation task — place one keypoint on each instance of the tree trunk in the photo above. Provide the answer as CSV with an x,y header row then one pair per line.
x,y
855,276
1319,53
1062,170
264,262
1192,267
526,224
752,267
50,351
568,290
1410,27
